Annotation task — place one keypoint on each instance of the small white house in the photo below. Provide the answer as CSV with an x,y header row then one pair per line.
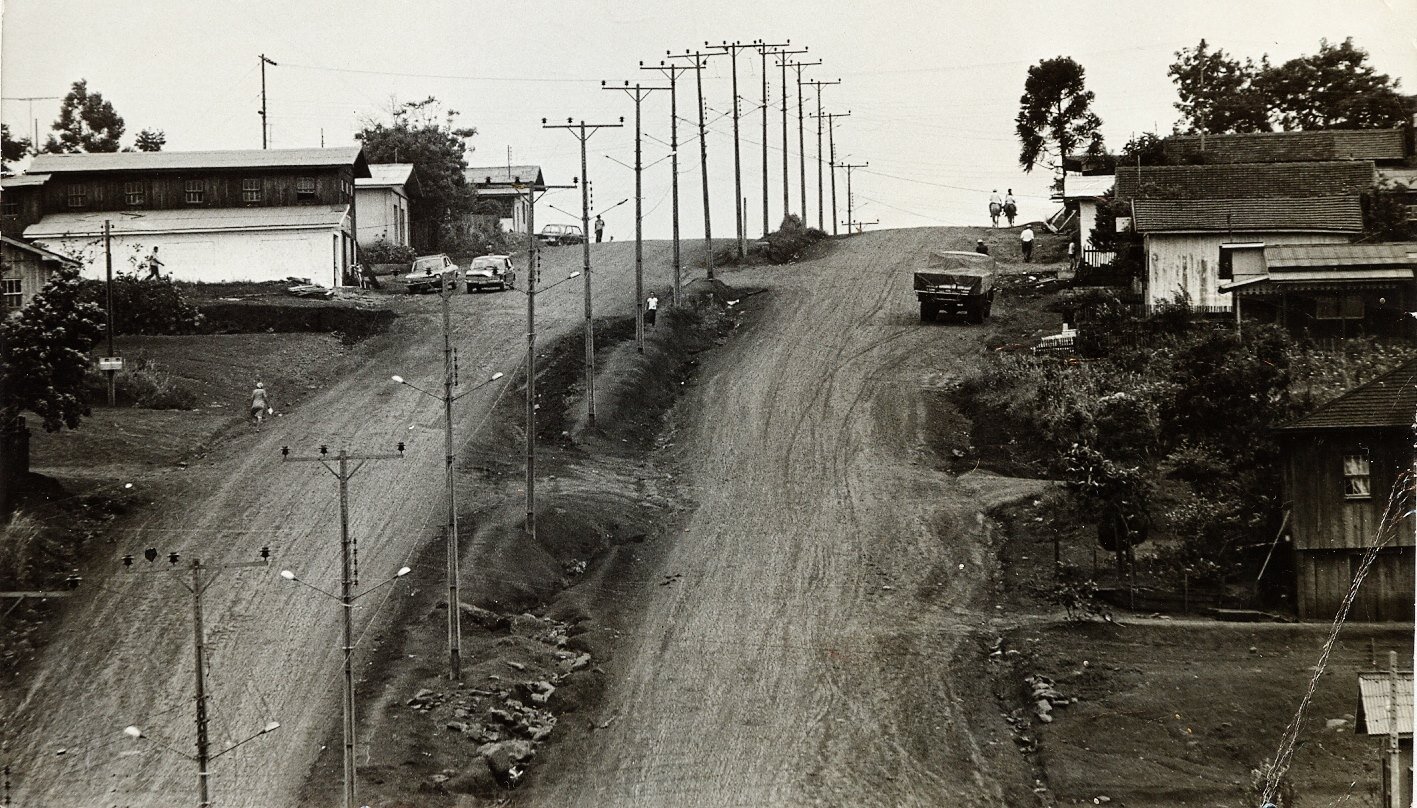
x,y
1087,193
383,200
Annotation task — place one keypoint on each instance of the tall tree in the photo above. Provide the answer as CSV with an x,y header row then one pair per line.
x,y
12,149
423,134
1335,88
87,123
45,353
151,140
1219,94
1055,117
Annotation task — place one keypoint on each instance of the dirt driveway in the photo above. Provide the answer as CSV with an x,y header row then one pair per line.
x,y
803,654
123,652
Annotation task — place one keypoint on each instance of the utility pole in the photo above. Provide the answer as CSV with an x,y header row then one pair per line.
x,y
700,62
198,587
1394,750
451,542
732,48
849,168
831,152
348,580
639,93
763,50
672,72
581,134
821,207
108,263
264,128
786,176
801,137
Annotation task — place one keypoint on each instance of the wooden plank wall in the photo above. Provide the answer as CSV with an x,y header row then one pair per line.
x,y
1387,593
168,190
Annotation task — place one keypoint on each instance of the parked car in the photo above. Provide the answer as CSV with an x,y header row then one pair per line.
x,y
555,234
428,272
957,283
490,272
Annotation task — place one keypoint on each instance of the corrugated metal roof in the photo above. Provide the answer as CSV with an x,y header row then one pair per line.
x,y
192,160
504,175
1387,401
1287,147
1374,695
1283,256
1083,186
24,180
1311,215
40,251
298,217
1247,181
386,174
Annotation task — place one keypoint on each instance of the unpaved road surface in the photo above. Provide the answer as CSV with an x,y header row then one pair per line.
x,y
123,653
812,650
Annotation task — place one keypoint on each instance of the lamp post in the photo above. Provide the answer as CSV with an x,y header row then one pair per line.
x,y
203,759
451,529
346,600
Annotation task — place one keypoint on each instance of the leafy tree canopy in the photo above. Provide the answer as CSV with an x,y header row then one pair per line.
x,y
1335,88
45,352
12,149
1055,117
423,134
87,123
151,140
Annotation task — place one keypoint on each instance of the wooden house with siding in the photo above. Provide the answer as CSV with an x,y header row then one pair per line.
x,y
1342,465
256,214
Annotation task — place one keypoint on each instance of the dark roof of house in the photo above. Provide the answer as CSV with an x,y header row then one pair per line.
x,y
504,175
1290,147
1387,401
44,255
1245,181
1306,215
1286,256
195,160
26,180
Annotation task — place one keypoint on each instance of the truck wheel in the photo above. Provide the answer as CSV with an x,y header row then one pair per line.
x,y
974,315
927,312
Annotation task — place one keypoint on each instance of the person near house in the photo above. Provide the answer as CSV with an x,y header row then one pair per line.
x,y
1010,207
599,228
996,206
651,310
154,267
981,247
1026,241
1072,256
260,404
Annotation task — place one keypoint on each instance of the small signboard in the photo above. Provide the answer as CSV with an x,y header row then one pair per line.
x,y
110,363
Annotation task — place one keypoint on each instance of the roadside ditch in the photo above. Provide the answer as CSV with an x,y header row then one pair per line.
x,y
538,617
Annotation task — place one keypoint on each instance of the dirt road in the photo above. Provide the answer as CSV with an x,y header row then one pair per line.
x,y
123,653
808,654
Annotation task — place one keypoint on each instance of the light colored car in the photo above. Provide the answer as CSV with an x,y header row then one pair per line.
x,y
490,272
556,234
428,272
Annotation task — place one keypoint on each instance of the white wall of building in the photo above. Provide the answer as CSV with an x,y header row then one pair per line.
x,y
262,255
383,214
1189,263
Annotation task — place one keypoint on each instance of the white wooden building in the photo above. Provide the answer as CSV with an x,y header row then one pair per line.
x,y
383,199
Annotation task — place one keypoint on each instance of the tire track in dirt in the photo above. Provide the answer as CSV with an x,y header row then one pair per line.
x,y
797,662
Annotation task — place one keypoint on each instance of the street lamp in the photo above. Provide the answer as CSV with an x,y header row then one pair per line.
x,y
346,600
453,550
137,734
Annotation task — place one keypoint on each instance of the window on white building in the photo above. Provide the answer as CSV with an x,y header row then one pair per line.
x,y
14,293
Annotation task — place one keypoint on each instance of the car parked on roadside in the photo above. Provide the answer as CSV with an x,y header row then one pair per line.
x,y
556,234
428,272
490,272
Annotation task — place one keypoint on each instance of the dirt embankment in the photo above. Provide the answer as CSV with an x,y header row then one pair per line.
x,y
532,645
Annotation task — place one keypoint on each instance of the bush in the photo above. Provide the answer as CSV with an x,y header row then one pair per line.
x,y
143,385
144,305
790,239
382,252
1076,594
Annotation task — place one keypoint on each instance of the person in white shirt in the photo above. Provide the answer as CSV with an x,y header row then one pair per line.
x,y
651,310
996,206
1026,239
1010,206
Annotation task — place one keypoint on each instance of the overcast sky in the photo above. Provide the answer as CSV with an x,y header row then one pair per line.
x,y
932,87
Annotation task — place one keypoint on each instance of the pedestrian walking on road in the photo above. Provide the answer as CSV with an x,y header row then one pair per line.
x,y
1010,207
651,310
599,228
981,247
1026,240
260,405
